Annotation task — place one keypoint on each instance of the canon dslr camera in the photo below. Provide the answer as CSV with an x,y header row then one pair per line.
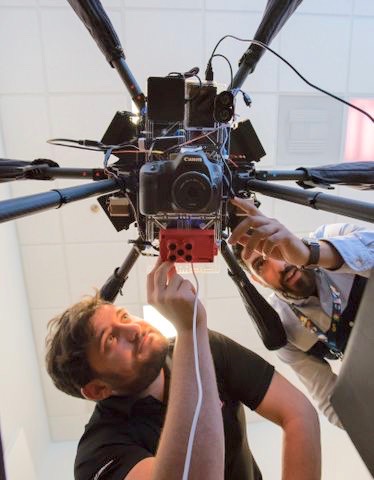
x,y
188,182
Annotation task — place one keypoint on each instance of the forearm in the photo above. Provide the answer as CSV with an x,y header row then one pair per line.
x,y
286,406
329,258
301,448
318,377
207,459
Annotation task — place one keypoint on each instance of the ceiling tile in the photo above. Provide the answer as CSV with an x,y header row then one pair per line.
x,y
72,69
150,58
324,56
172,4
87,269
242,25
97,226
229,317
309,130
220,284
299,218
263,115
364,7
332,7
25,138
27,62
361,71
45,276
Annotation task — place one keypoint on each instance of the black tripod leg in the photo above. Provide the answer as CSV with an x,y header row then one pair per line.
x,y
115,282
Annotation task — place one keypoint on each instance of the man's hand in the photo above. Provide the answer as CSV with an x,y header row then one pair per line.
x,y
173,296
267,236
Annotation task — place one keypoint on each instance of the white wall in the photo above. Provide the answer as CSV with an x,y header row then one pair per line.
x,y
23,418
24,426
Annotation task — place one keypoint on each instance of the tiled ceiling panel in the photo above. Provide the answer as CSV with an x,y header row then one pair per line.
x,y
309,130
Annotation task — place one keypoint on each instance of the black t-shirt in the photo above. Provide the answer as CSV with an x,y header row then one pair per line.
x,y
124,430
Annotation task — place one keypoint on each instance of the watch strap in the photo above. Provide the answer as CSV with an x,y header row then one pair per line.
x,y
314,249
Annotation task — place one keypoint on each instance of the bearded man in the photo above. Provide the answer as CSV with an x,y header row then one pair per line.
x,y
145,391
318,283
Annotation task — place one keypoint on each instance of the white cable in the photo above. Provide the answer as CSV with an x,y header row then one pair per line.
x,y
199,402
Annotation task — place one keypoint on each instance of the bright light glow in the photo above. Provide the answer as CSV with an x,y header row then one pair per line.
x,y
134,109
135,120
152,316
359,143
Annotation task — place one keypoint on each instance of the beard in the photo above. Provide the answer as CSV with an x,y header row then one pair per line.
x,y
304,287
145,371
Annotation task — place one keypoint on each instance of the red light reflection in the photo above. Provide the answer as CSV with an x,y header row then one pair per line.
x,y
359,143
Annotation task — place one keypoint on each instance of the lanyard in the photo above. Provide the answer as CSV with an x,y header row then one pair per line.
x,y
329,338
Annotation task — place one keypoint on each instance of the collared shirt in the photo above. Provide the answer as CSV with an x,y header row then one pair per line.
x,y
124,430
356,246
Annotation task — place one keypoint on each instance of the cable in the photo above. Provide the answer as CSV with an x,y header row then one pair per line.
x,y
263,45
198,91
192,140
199,402
79,145
228,61
91,145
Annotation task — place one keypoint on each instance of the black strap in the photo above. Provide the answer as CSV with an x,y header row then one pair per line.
x,y
350,312
320,349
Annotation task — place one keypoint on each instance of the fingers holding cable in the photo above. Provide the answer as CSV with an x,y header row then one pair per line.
x,y
173,296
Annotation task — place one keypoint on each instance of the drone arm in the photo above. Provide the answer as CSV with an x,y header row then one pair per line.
x,y
275,16
317,200
278,175
44,169
97,22
115,282
20,207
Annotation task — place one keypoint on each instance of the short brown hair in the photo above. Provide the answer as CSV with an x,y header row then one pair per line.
x,y
68,337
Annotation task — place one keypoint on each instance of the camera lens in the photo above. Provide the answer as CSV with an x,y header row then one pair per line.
x,y
188,246
180,252
191,191
172,246
226,98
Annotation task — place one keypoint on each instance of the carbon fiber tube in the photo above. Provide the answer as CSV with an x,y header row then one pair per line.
x,y
97,22
22,206
265,318
317,200
115,282
275,16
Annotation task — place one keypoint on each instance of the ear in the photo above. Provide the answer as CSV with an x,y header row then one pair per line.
x,y
96,390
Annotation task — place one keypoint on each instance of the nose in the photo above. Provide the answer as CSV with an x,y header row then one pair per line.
x,y
130,330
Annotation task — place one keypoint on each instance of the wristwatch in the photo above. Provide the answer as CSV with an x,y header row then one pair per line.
x,y
314,249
